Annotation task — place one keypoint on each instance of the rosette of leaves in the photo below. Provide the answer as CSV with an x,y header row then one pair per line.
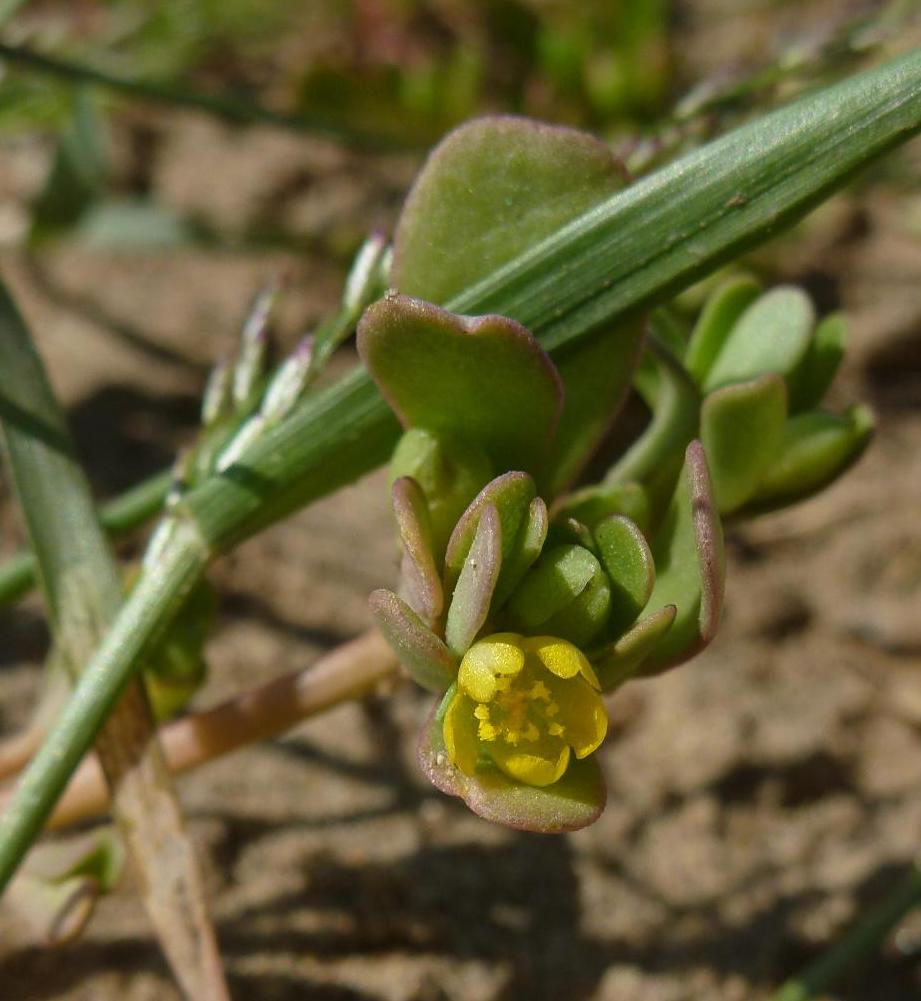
x,y
749,379
520,620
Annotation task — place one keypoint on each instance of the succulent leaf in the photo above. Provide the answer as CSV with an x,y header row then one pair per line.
x,y
511,494
418,572
741,429
814,375
527,546
483,379
450,471
690,566
419,650
472,595
720,314
772,335
627,560
623,659
566,593
816,449
492,189
593,504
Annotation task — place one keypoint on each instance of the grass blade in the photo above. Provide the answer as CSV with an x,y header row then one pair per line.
x,y
82,587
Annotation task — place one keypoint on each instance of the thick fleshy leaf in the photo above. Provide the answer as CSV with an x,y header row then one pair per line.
x,y
816,449
623,659
811,380
741,429
596,377
511,494
483,379
720,314
529,541
473,592
566,594
566,531
451,473
419,574
491,190
593,504
772,335
690,566
419,650
628,562
574,801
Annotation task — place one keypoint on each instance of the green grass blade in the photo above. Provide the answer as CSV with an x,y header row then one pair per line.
x,y
120,515
82,586
635,249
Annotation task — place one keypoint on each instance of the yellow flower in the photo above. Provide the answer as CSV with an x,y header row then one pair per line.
x,y
526,704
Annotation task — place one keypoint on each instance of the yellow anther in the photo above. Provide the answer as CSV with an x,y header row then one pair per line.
x,y
551,710
539,692
486,731
481,712
555,730
531,732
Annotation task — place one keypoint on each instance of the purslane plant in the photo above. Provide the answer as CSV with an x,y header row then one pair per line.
x,y
520,605
599,261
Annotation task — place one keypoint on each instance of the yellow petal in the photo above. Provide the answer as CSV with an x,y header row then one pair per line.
x,y
559,656
582,713
541,766
459,729
498,654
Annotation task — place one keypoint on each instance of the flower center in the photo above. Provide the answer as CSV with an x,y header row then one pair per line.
x,y
522,709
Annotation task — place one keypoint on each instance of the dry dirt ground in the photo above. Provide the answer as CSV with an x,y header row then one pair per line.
x,y
759,798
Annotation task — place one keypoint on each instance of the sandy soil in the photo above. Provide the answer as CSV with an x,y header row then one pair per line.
x,y
759,797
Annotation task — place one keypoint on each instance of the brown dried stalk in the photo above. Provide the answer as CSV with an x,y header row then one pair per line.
x,y
349,671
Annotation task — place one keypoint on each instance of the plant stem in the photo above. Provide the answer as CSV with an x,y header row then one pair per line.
x,y
120,515
163,92
862,940
348,672
634,249
81,583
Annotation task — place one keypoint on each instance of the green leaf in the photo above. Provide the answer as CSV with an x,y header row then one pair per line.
x,y
476,584
575,801
566,594
491,190
690,566
623,659
418,649
816,449
741,428
511,494
626,558
814,375
595,503
482,379
418,571
451,472
772,335
527,546
720,314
